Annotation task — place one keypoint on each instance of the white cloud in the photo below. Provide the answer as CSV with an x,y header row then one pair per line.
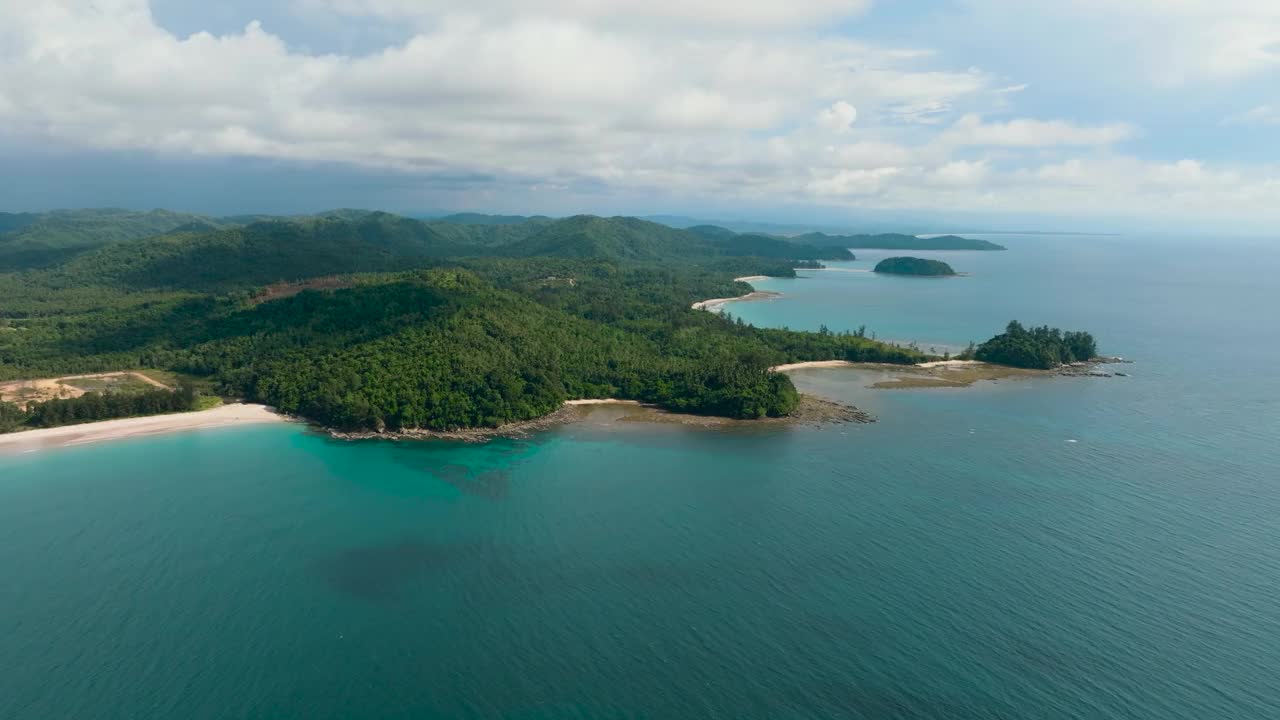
x,y
761,13
854,182
839,117
1261,115
1169,42
961,173
971,130
697,100
531,96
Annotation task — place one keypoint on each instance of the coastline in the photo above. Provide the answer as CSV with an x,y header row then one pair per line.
x,y
813,411
938,373
812,364
602,401
121,428
953,373
714,303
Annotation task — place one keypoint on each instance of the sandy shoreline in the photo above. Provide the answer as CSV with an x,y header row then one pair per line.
x,y
68,435
812,364
941,373
602,401
714,303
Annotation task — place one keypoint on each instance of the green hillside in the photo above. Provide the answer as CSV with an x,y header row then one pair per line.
x,y
588,236
623,238
45,239
483,219
412,324
262,253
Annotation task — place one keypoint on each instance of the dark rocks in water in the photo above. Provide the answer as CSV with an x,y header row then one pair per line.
x,y
378,573
817,411
492,484
1090,368
516,430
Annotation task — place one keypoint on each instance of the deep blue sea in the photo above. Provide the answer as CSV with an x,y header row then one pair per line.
x,y
1060,548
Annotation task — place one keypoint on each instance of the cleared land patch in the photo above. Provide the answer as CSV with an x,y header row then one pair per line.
x,y
27,392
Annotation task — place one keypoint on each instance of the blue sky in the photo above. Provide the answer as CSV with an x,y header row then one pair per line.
x,y
1091,114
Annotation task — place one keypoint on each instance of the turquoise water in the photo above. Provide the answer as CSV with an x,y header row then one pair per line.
x,y
958,559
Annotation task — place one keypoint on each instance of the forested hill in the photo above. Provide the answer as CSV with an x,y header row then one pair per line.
x,y
451,348
483,219
402,323
16,221
344,242
261,253
31,240
626,238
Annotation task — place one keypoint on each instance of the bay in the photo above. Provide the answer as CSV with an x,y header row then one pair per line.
x,y
1055,548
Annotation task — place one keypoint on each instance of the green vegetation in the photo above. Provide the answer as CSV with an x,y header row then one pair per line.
x,y
482,219
384,322
913,266
12,418
95,406
29,240
1041,347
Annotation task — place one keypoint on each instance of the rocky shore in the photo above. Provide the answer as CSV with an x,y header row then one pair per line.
x,y
811,412
1092,368
566,414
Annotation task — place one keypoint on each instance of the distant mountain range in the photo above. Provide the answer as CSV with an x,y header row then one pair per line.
x,y
166,248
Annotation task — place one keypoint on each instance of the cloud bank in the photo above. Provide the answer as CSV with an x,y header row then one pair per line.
x,y
728,101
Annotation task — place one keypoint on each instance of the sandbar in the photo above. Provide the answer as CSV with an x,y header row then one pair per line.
x,y
939,373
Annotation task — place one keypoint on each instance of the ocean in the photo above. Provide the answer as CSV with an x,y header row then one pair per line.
x,y
1056,548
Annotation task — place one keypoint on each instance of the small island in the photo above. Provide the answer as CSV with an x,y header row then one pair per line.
x,y
914,266
1041,348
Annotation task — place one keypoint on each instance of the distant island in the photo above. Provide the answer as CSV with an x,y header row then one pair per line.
x,y
894,241
874,241
913,266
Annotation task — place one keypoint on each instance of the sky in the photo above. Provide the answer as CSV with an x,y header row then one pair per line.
x,y
1079,115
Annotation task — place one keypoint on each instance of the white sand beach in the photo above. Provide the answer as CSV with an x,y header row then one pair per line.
x,y
812,364
950,364
67,435
714,303
601,401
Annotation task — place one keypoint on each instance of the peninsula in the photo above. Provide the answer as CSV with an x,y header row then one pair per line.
x,y
370,322
367,322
